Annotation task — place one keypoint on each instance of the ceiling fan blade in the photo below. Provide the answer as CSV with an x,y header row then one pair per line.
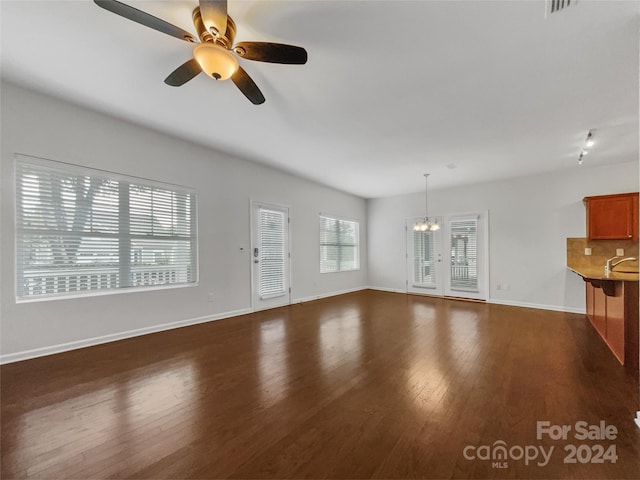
x,y
272,52
247,86
214,14
145,19
183,73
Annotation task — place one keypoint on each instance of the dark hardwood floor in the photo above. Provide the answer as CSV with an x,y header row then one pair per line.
x,y
369,384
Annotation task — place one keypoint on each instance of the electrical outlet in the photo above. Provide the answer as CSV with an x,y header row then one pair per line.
x,y
620,252
587,251
210,297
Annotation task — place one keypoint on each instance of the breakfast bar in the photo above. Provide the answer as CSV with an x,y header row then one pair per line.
x,y
612,308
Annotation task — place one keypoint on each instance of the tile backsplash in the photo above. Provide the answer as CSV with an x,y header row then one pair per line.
x,y
601,250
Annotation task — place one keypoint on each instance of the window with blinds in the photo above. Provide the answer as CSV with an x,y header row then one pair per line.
x,y
272,262
339,245
464,254
81,230
424,259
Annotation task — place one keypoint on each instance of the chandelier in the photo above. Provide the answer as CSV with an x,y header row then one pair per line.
x,y
427,223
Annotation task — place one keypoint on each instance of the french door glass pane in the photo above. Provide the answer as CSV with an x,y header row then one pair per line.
x,y
424,261
464,257
272,253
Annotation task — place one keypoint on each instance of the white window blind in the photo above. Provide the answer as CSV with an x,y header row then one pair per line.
x,y
80,230
272,253
339,245
464,254
424,261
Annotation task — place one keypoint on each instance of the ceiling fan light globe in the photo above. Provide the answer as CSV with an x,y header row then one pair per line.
x,y
216,61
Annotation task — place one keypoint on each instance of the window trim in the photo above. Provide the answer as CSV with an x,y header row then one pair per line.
x,y
80,170
357,244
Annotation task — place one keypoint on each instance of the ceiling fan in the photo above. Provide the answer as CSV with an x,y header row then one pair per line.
x,y
215,53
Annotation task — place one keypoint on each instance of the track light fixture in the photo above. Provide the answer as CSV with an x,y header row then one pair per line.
x,y
589,142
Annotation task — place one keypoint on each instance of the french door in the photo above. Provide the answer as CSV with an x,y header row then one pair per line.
x,y
452,261
270,256
467,252
425,268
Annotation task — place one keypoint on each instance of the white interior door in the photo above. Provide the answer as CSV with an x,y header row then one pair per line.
x,y
466,264
425,272
270,256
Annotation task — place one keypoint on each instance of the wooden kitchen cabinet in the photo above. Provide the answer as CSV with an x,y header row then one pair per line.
x,y
612,217
615,321
600,312
590,291
612,308
631,326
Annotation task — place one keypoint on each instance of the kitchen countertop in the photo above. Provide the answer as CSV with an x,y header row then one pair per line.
x,y
597,273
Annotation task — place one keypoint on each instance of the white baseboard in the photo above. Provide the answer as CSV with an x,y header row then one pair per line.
x,y
89,342
382,289
64,347
556,308
326,295
539,306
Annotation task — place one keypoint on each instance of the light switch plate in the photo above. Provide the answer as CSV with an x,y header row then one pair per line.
x,y
620,252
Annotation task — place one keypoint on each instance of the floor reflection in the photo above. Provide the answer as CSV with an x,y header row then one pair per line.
x,y
340,341
451,329
430,386
273,370
115,417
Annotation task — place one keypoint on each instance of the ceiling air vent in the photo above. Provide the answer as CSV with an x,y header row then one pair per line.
x,y
554,6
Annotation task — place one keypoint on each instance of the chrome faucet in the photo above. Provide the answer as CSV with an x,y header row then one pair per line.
x,y
609,266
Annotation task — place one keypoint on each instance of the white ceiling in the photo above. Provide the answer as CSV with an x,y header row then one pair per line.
x,y
468,91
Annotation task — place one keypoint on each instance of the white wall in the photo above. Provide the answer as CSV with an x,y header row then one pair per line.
x,y
42,126
529,221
